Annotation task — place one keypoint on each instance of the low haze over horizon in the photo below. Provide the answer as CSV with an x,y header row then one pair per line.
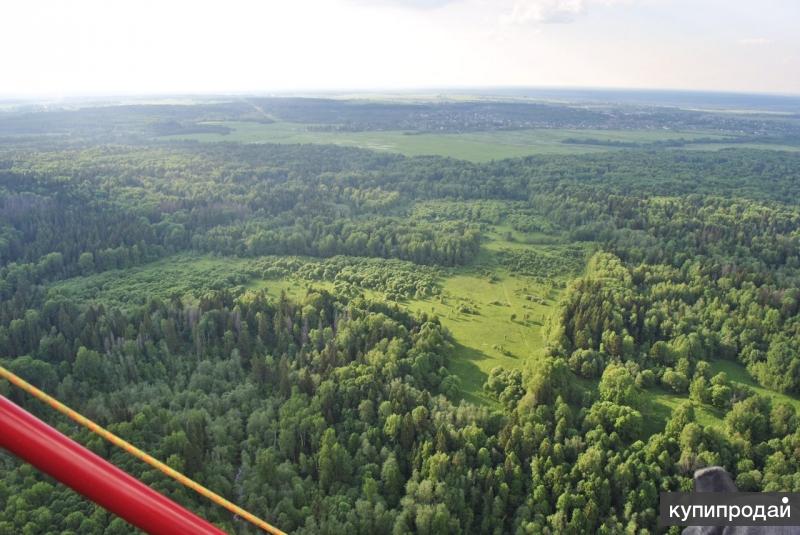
x,y
124,47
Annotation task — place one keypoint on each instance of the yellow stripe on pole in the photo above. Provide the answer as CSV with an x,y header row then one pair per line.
x,y
136,452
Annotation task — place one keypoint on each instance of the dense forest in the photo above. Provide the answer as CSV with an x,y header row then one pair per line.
x,y
335,411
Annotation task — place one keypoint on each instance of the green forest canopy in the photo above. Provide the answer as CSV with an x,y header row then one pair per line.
x,y
349,341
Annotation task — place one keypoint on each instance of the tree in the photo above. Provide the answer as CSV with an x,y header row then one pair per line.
x,y
391,480
750,418
550,377
698,390
91,368
619,386
333,461
781,371
675,381
86,263
681,417
613,418
783,419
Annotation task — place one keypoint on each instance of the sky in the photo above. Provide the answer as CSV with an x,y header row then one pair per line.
x,y
74,47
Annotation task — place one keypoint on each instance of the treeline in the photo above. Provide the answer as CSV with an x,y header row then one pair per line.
x,y
445,245
103,122
538,264
672,321
122,123
659,143
396,280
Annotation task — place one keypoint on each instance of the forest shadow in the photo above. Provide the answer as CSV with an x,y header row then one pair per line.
x,y
463,364
658,405
656,414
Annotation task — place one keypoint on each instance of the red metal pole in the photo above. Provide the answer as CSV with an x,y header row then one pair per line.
x,y
34,441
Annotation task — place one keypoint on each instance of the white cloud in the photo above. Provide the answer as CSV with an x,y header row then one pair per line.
x,y
510,11
552,11
413,4
755,41
527,11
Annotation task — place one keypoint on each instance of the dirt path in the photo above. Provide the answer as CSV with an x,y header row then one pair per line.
x,y
260,110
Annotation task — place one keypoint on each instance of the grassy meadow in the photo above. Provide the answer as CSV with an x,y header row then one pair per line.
x,y
472,146
486,307
496,315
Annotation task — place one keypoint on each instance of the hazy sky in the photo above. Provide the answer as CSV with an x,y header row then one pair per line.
x,y
61,47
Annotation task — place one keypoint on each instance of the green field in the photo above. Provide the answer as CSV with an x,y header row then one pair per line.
x,y
182,275
660,403
738,374
478,313
476,302
187,276
476,305
485,306
472,146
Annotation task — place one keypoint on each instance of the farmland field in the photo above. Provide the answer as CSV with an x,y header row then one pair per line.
x,y
472,146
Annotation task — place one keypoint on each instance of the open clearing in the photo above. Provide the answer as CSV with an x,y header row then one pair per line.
x,y
476,304
487,308
472,146
660,403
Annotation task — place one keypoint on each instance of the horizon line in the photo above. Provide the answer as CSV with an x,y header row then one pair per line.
x,y
453,89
